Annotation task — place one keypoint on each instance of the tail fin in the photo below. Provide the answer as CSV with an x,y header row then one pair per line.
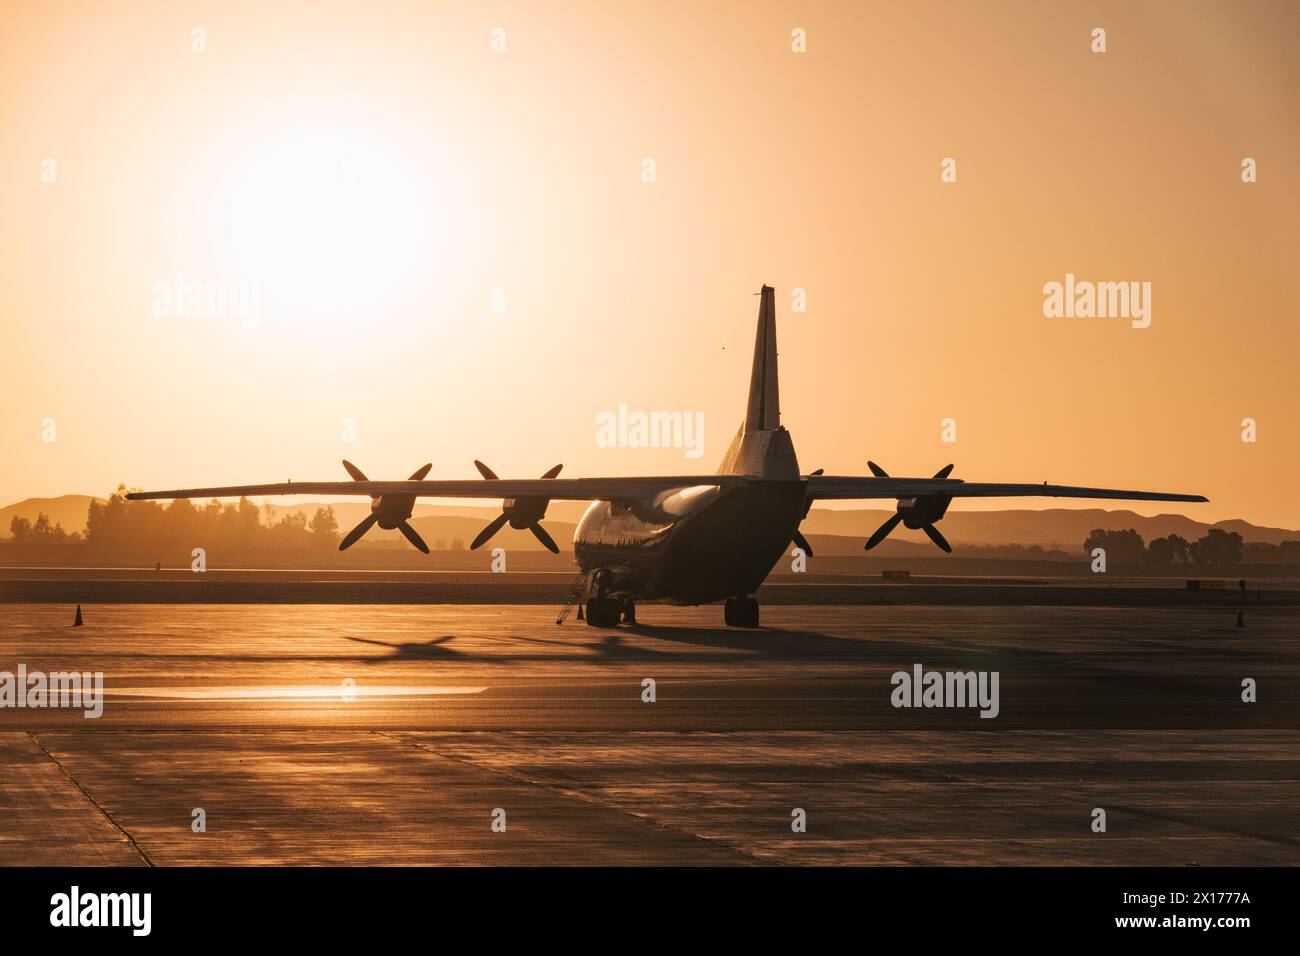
x,y
764,411
762,448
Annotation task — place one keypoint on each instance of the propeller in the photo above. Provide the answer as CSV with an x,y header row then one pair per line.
x,y
388,511
916,513
521,513
799,539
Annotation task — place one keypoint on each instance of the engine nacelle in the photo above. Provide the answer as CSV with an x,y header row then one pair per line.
x,y
391,510
923,510
524,512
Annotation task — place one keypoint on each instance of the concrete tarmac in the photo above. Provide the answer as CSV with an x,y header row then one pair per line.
x,y
373,734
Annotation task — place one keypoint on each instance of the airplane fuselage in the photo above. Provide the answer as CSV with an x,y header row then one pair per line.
x,y
690,545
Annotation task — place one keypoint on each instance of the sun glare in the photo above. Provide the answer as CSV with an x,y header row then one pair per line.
x,y
324,223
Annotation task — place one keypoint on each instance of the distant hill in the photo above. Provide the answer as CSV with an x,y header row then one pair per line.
x,y
67,510
1061,528
1055,528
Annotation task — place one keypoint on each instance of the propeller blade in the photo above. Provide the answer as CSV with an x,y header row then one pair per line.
x,y
356,473
412,536
540,534
883,531
877,470
484,470
802,542
355,534
943,472
936,537
493,527
420,472
553,472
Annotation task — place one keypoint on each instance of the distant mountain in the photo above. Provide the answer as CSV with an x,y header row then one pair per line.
x,y
1063,529
67,510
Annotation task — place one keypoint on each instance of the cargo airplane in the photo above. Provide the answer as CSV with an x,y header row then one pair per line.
x,y
679,539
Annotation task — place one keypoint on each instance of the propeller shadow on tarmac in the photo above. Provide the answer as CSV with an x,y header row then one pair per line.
x,y
694,645
432,649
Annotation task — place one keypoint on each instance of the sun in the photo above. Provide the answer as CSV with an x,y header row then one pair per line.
x,y
327,222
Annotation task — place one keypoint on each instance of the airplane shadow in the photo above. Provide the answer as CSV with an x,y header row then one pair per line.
x,y
692,645
696,645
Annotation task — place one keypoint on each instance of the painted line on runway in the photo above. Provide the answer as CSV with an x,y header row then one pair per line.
x,y
311,692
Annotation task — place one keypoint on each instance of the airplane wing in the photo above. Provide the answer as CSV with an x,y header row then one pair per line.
x,y
820,487
845,486
558,489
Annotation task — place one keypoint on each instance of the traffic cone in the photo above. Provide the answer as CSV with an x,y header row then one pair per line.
x,y
77,622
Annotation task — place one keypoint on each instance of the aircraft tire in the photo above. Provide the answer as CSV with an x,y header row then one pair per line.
x,y
603,612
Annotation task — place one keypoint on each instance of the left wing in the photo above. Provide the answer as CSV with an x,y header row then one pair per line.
x,y
559,489
845,486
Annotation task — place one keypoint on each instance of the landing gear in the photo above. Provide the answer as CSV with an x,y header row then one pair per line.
x,y
629,611
603,612
741,612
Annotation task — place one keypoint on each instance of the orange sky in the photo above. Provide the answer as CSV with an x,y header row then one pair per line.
x,y
374,171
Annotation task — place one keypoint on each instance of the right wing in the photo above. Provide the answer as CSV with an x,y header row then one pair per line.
x,y
822,487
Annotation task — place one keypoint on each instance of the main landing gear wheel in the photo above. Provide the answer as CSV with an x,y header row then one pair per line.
x,y
741,612
603,612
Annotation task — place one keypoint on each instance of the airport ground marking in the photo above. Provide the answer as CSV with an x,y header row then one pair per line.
x,y
93,802
1234,831
569,794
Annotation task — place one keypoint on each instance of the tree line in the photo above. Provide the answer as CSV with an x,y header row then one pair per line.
x,y
1216,547
23,531
118,523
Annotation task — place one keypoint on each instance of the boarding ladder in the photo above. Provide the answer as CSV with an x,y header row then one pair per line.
x,y
578,592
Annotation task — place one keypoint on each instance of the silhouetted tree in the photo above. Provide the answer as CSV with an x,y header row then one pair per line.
x,y
219,528
20,529
1168,550
1120,546
290,532
181,522
1217,547
40,532
324,527
1160,552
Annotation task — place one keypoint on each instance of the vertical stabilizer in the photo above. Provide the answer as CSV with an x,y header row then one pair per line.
x,y
762,448
764,412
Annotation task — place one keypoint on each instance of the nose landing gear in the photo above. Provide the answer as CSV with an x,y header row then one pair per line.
x,y
609,612
606,611
741,612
